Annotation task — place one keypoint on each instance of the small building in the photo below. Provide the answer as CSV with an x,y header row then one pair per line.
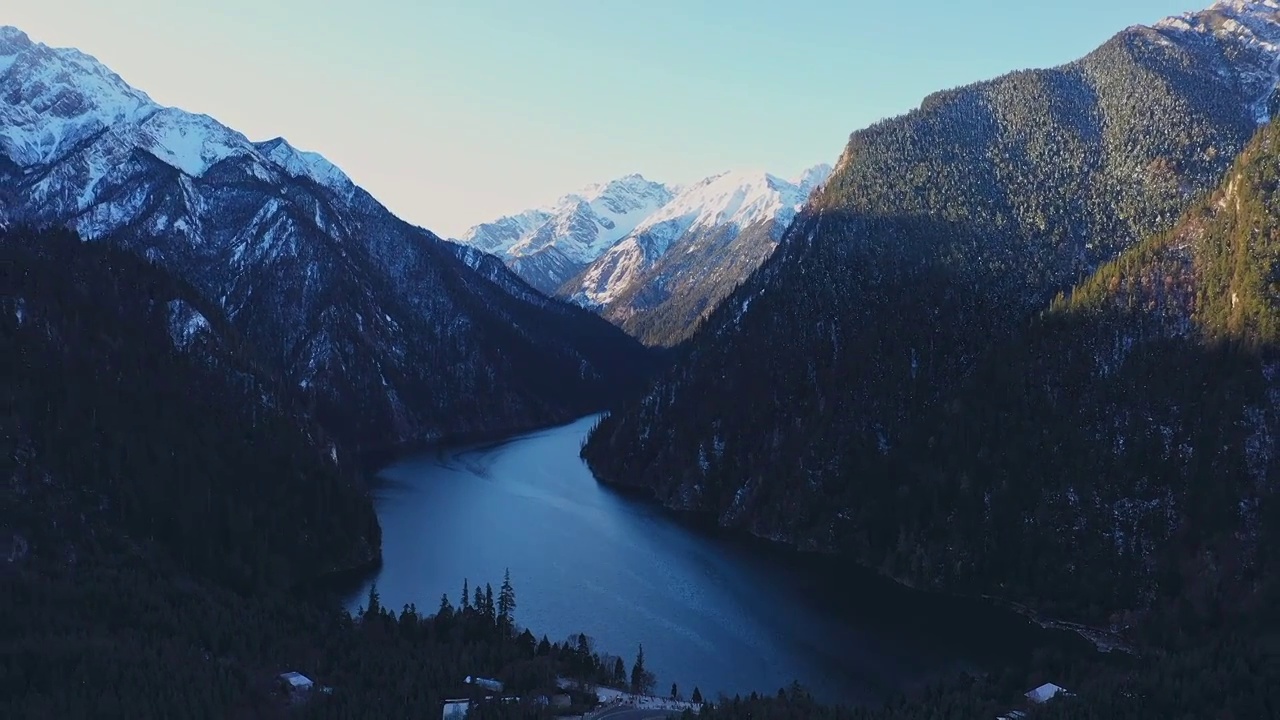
x,y
296,682
455,709
1045,693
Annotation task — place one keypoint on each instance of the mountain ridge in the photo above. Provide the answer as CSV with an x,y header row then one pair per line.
x,y
547,245
939,236
349,303
675,261
661,281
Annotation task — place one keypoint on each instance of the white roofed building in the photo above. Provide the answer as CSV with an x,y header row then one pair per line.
x,y
455,709
296,681
1045,693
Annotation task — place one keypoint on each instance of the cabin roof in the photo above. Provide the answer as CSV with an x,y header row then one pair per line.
x,y
1044,693
296,679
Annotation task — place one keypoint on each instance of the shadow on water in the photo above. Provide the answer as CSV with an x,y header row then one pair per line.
x,y
713,608
916,628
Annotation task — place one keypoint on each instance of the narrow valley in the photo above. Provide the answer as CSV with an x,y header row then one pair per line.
x,y
980,420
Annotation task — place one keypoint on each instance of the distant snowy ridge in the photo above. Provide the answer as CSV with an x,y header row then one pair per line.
x,y
600,246
547,246
733,199
660,281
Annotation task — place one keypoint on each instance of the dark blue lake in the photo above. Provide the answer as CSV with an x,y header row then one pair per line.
x,y
723,613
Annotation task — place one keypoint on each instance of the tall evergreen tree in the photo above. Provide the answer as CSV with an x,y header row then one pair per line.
x,y
640,677
466,596
506,601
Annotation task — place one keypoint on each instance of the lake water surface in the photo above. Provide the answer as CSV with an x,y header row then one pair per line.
x,y
723,613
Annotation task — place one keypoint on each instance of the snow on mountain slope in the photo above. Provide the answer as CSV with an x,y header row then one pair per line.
x,y
733,199
190,143
304,164
391,333
601,244
812,178
739,199
1252,30
501,235
591,223
677,265
60,103
579,227
55,99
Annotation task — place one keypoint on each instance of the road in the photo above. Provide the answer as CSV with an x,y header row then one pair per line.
x,y
625,712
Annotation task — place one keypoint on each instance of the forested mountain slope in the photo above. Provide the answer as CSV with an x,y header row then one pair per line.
x,y
164,504
138,420
938,239
1228,676
386,327
1120,454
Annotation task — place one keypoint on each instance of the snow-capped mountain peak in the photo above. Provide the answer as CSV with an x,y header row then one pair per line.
x,y
302,163
338,297
683,260
810,179
1249,30
739,198
586,225
55,98
500,235
1229,17
622,190
62,109
12,40
189,142
638,219
551,243
1250,6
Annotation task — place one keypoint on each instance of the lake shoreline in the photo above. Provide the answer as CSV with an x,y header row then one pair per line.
x,y
716,607
1103,640
1100,640
374,460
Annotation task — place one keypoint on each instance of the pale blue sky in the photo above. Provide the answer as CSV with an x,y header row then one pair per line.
x,y
455,111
